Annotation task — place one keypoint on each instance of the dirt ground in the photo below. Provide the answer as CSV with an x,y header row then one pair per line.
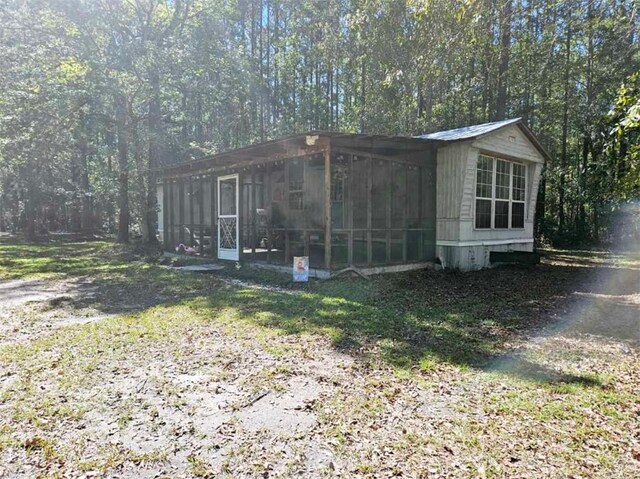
x,y
226,376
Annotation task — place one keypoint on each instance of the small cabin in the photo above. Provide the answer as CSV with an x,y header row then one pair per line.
x,y
487,186
374,203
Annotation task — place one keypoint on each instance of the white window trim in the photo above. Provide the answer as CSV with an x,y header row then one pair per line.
x,y
493,199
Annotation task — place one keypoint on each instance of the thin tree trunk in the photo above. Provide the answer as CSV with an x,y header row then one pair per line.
x,y
565,133
123,170
86,203
541,204
582,215
154,120
30,212
505,46
141,190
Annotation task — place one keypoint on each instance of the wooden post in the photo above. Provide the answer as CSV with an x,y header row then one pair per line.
x,y
253,213
405,208
169,225
287,213
327,207
165,214
420,208
349,202
191,235
240,223
268,203
201,219
389,179
181,215
214,215
369,208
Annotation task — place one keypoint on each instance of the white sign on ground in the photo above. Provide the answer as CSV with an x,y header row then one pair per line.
x,y
300,269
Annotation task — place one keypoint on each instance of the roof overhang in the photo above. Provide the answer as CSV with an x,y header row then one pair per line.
x,y
474,132
292,146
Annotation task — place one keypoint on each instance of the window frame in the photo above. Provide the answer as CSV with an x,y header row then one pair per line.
x,y
494,167
298,192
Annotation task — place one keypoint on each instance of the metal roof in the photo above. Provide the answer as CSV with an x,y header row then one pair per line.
x,y
475,131
468,132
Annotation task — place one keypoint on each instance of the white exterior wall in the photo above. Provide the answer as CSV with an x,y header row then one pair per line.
x,y
451,181
459,244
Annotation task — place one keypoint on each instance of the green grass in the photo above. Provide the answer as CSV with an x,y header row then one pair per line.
x,y
405,325
409,334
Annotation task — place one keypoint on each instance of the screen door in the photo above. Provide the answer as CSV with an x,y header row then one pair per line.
x,y
228,239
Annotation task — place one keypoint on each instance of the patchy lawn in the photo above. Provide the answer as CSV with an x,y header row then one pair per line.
x,y
114,367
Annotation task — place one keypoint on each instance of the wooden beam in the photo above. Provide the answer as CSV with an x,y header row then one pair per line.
x,y
420,208
289,155
201,219
181,215
349,203
268,204
402,157
240,215
165,214
405,210
369,208
287,213
327,207
214,215
389,178
191,233
252,213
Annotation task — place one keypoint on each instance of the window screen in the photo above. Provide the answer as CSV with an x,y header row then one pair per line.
x,y
517,215
296,185
500,193
483,213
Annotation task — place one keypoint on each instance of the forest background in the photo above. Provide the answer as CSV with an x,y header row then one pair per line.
x,y
96,95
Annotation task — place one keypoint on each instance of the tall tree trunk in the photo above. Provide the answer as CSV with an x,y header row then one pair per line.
x,y
155,120
30,232
586,145
541,204
565,131
124,215
582,215
75,216
505,47
86,203
141,180
487,89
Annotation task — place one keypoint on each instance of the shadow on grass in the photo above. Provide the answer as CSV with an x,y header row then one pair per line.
x,y
408,321
406,340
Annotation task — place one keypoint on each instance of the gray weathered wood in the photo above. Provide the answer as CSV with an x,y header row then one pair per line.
x,y
201,214
327,207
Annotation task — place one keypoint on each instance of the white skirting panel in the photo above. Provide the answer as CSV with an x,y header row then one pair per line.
x,y
474,255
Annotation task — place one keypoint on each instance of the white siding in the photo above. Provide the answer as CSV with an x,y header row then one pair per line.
x,y
451,175
469,190
535,171
460,244
509,142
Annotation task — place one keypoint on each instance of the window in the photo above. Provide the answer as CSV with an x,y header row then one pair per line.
x,y
518,196
500,194
484,192
296,185
338,176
